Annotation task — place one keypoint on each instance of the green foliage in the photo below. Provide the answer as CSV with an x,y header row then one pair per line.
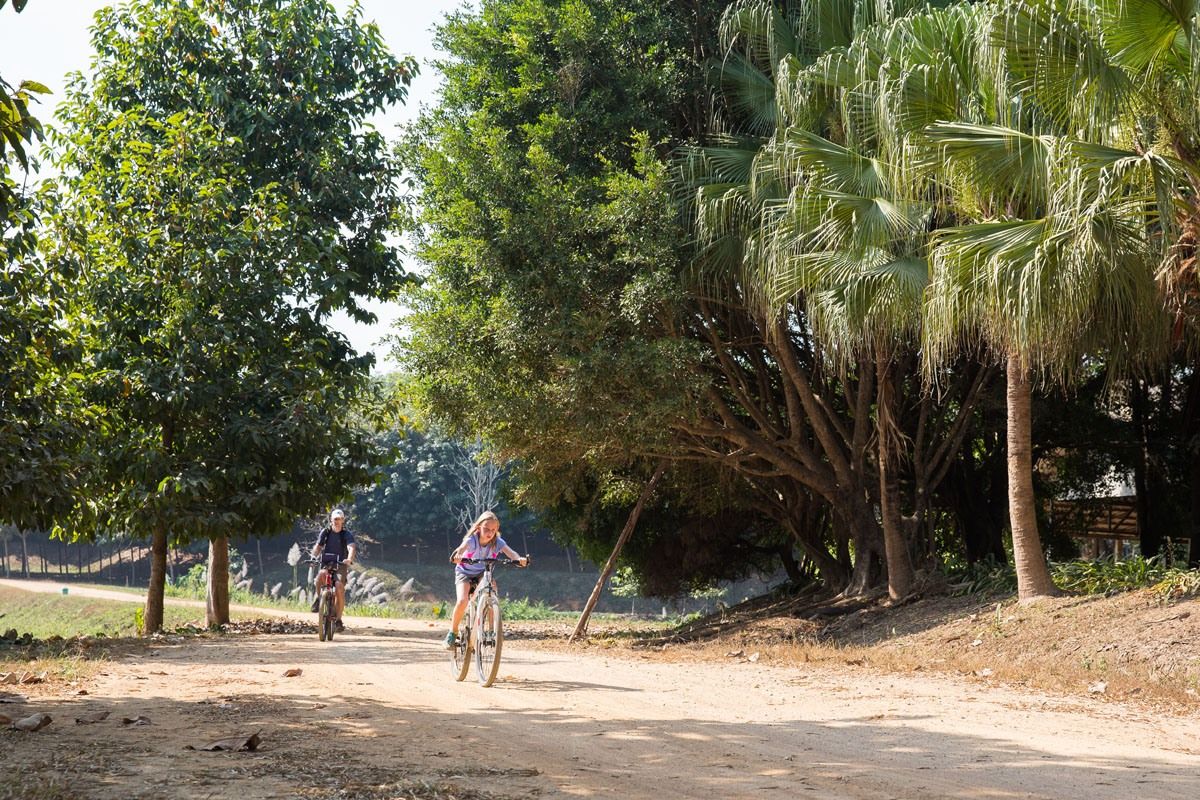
x,y
41,413
1103,576
421,496
234,406
1178,584
984,577
1108,575
525,609
550,234
624,582
415,495
192,584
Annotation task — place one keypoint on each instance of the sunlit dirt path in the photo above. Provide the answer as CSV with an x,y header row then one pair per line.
x,y
588,723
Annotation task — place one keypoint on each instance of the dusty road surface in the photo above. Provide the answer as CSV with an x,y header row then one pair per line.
x,y
377,714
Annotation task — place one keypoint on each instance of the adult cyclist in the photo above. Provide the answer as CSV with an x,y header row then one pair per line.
x,y
336,541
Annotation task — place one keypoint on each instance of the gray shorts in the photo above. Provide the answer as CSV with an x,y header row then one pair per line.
x,y
461,578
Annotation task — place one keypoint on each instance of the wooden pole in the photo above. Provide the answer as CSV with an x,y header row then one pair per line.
x,y
581,628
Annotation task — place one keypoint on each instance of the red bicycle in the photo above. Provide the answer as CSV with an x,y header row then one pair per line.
x,y
327,580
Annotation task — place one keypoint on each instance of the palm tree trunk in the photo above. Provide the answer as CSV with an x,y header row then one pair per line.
x,y
1033,576
217,605
158,575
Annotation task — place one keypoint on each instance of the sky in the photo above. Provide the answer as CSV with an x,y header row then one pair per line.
x,y
50,39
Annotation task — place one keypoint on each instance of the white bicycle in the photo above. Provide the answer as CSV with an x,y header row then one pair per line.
x,y
481,632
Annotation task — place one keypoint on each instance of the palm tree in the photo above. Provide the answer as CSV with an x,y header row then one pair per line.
x,y
735,188
1131,66
798,218
1053,233
1053,264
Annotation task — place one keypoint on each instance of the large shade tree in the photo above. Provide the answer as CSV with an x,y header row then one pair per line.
x,y
220,198
1019,283
552,243
802,209
40,409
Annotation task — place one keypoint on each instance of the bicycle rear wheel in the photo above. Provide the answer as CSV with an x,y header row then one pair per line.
x,y
490,640
460,654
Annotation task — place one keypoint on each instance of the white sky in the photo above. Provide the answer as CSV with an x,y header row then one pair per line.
x,y
50,39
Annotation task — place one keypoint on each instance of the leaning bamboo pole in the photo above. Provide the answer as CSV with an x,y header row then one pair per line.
x,y
610,565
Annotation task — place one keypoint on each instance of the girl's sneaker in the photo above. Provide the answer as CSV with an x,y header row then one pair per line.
x,y
451,640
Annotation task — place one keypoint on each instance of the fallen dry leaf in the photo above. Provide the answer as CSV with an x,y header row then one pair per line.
x,y
752,658
95,716
1099,687
294,672
138,720
8,677
232,743
33,723
29,677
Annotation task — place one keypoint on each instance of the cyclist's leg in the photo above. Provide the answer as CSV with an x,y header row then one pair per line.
x,y
463,586
462,591
343,573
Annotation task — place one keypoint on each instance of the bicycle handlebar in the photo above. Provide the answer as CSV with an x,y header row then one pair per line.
x,y
498,560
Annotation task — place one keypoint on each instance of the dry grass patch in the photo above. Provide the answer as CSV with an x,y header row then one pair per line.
x,y
1132,646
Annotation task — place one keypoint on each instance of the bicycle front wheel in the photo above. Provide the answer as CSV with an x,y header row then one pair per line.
x,y
489,642
325,618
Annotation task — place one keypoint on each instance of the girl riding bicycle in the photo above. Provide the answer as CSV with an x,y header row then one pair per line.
x,y
482,541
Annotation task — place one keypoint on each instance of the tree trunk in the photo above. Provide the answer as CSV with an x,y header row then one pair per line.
x,y
217,605
895,547
1151,503
1033,576
978,495
1191,443
610,565
158,577
867,538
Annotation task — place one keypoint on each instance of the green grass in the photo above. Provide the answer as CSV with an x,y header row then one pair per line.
x,y
46,615
526,609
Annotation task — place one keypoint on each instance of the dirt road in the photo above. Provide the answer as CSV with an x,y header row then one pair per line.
x,y
376,714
